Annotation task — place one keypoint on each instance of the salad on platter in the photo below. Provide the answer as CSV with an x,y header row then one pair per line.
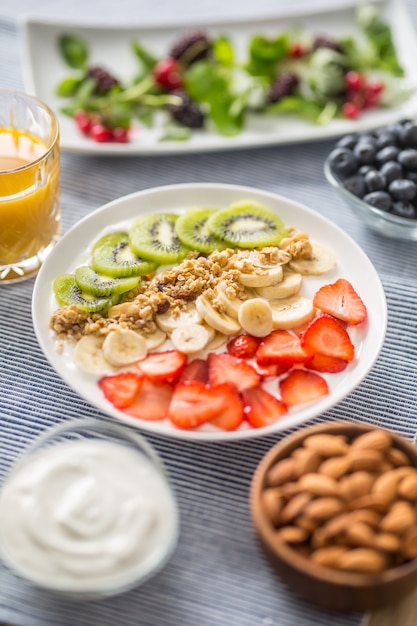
x,y
202,84
201,318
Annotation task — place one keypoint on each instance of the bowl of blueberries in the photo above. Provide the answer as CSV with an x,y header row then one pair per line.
x,y
376,174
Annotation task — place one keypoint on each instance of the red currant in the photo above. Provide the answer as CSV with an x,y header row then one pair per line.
x,y
121,135
166,74
376,87
296,50
354,81
83,121
100,133
350,110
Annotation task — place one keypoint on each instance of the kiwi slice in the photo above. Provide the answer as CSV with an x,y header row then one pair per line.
x,y
90,281
113,256
68,293
191,229
247,225
153,237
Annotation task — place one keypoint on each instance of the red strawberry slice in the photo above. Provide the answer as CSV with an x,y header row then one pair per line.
x,y
270,371
341,300
163,366
243,346
327,336
261,407
195,370
152,402
225,368
323,363
121,389
280,347
232,416
194,403
300,386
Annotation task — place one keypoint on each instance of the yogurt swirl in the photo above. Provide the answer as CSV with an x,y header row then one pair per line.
x,y
86,515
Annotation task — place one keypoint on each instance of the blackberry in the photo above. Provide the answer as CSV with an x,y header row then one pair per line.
x,y
284,85
322,41
188,113
191,47
104,80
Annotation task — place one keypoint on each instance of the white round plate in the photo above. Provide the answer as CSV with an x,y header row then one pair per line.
x,y
352,263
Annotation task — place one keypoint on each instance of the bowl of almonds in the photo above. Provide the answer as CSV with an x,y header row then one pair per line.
x,y
335,509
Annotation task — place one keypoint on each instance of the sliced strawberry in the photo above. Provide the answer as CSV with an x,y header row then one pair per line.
x,y
121,389
232,416
270,371
195,370
300,386
152,402
194,403
163,366
225,368
279,347
325,335
261,407
341,300
243,346
324,363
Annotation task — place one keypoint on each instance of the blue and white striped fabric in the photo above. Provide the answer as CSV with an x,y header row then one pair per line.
x,y
218,575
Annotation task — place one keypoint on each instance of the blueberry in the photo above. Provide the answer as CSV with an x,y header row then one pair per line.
x,y
343,162
364,169
409,135
402,189
365,152
386,139
411,176
379,199
389,153
356,185
348,141
391,170
402,208
408,158
375,181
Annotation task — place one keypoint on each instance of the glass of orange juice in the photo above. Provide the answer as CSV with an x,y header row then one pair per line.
x,y
29,184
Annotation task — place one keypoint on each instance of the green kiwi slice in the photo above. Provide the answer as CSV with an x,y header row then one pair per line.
x,y
247,224
191,229
90,281
113,256
68,293
153,237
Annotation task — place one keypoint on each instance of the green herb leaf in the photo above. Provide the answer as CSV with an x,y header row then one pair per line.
x,y
223,51
74,51
68,87
176,133
264,54
310,110
379,36
147,59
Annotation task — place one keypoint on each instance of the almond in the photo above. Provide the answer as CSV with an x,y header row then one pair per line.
x,y
373,501
324,508
387,542
386,485
291,534
355,485
368,516
373,440
328,555
409,547
337,525
365,459
318,485
399,519
273,504
327,445
397,457
363,560
307,460
335,467
282,472
360,534
303,521
295,507
407,487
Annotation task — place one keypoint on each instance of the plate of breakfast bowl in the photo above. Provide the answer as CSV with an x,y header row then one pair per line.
x,y
209,311
284,78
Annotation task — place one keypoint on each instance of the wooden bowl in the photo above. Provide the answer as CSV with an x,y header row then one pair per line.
x,y
324,586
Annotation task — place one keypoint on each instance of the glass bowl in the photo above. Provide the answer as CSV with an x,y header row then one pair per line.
x,y
88,511
380,221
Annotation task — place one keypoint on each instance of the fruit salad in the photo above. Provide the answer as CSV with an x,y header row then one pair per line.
x,y
314,76
201,318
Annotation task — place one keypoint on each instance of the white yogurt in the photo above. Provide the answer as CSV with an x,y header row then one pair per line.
x,y
87,516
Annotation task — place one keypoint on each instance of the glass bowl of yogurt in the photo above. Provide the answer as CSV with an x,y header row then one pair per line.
x,y
88,511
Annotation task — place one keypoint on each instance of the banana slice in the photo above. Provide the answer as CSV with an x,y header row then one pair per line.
x,y
169,321
190,338
289,286
323,261
218,340
255,317
154,340
262,276
219,321
88,355
291,312
232,304
123,346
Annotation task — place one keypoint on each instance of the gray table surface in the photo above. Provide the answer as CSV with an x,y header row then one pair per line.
x,y
217,575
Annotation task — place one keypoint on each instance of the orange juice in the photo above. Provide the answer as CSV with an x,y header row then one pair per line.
x,y
29,201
